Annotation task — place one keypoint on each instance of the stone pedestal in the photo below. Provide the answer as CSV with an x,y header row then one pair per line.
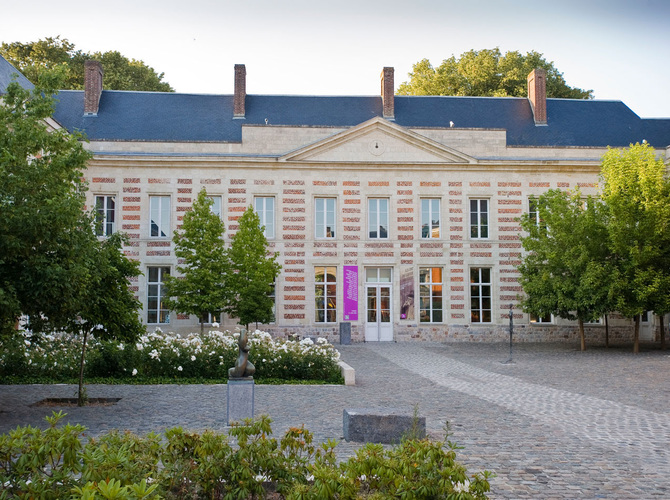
x,y
381,425
240,399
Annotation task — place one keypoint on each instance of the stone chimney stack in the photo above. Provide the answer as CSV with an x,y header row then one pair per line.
x,y
240,91
388,103
92,87
537,95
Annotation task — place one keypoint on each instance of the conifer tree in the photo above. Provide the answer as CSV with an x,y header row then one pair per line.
x,y
202,288
253,272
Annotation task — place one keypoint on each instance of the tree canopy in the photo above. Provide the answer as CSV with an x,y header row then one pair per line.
x,y
120,73
202,288
44,228
636,189
487,73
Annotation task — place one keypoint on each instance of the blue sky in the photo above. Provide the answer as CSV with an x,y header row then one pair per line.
x,y
618,48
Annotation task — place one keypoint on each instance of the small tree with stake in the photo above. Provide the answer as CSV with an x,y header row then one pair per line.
x,y
253,272
108,307
202,288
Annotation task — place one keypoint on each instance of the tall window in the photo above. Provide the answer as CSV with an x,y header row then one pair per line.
x,y
479,218
105,207
273,298
378,218
534,211
325,217
156,311
430,218
430,294
159,207
216,205
325,293
265,208
480,295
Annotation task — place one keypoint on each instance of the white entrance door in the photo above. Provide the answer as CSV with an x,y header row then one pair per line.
x,y
378,314
647,325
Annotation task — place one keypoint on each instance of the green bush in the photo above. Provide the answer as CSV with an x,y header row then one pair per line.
x,y
164,356
248,463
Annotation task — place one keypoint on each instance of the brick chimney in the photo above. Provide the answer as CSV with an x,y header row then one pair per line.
x,y
240,91
388,103
92,87
537,95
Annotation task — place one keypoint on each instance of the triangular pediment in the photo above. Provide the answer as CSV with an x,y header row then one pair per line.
x,y
377,141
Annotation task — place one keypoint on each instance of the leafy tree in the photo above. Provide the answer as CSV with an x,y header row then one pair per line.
x,y
44,229
487,73
120,73
253,272
636,190
52,267
202,288
108,307
565,271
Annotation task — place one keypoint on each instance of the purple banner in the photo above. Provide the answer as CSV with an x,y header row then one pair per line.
x,y
350,293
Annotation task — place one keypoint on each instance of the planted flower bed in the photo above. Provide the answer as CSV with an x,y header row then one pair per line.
x,y
160,357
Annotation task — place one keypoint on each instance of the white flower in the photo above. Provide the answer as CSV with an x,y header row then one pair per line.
x,y
121,347
134,371
27,342
192,358
264,360
179,368
154,354
462,487
139,347
215,325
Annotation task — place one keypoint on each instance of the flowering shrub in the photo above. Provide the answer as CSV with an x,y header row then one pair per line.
x,y
165,355
59,462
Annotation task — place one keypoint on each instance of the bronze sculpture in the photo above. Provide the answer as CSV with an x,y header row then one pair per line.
x,y
243,367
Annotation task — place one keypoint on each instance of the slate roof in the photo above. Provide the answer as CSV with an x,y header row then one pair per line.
x,y
8,73
159,116
156,116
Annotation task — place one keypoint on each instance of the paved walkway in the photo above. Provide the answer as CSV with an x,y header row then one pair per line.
x,y
557,423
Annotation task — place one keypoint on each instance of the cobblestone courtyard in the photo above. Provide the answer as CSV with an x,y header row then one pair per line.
x,y
558,423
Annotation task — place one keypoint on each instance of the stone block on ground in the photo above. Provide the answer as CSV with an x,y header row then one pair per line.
x,y
381,425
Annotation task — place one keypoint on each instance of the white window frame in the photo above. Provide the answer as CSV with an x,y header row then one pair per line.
x,y
378,218
534,210
533,319
159,310
427,293
159,215
324,218
265,208
105,227
478,229
217,205
326,312
480,297
428,213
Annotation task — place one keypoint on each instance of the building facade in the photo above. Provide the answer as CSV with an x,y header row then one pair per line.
x,y
396,214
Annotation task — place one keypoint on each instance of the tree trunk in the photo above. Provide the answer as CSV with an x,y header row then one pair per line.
x,y
607,332
202,328
636,335
581,334
81,398
662,333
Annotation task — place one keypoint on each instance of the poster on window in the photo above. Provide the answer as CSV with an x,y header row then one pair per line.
x,y
350,293
407,293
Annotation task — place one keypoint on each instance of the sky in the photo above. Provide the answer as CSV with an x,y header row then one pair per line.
x,y
618,48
